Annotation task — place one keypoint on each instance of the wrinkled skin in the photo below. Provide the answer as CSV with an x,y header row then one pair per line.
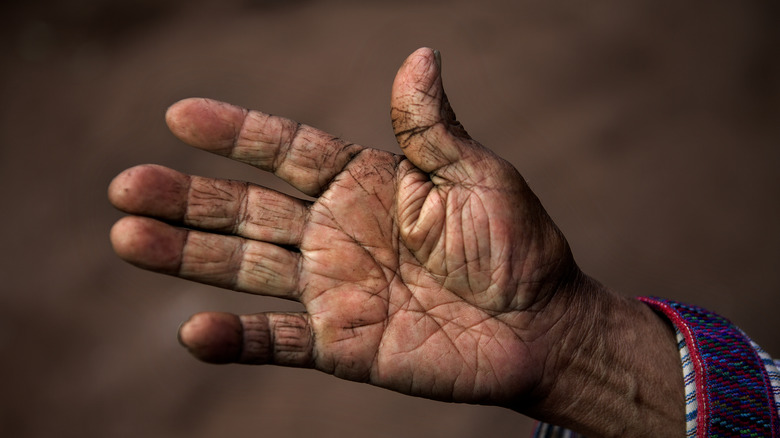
x,y
435,273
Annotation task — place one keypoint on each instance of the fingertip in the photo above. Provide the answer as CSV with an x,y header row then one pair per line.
x,y
118,188
426,54
213,337
177,112
205,123
148,243
123,189
150,190
121,236
421,68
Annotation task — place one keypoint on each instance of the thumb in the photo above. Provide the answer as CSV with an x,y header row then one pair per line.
x,y
423,121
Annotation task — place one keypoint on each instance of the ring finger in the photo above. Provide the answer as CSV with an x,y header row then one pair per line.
x,y
224,261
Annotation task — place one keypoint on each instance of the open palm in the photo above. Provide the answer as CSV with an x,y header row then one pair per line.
x,y
431,273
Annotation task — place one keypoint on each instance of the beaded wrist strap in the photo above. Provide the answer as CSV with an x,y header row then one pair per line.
x,y
733,390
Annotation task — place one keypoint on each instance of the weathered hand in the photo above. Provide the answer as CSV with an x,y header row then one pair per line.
x,y
434,273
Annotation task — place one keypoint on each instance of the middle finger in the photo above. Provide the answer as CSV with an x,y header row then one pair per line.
x,y
232,207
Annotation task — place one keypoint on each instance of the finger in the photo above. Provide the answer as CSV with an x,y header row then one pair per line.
x,y
225,261
230,207
264,338
305,157
426,127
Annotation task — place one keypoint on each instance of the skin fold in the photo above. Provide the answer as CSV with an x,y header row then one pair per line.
x,y
435,272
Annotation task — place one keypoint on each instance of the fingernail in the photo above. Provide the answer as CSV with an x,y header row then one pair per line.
x,y
178,333
437,56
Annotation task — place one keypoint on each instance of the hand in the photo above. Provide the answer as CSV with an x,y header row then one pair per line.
x,y
435,273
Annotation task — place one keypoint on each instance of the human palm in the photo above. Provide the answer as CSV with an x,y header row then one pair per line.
x,y
431,273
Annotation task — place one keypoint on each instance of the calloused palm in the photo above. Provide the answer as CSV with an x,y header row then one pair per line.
x,y
430,273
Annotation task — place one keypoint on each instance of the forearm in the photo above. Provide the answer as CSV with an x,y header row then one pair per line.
x,y
617,371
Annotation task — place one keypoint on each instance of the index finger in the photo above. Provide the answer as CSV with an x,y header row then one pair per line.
x,y
305,157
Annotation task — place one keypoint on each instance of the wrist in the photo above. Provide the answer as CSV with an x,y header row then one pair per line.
x,y
613,370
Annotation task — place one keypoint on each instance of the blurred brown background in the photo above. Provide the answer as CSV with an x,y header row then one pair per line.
x,y
650,130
